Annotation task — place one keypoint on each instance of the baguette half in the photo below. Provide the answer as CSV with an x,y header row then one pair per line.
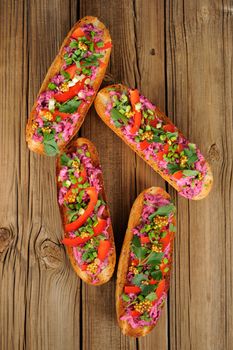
x,y
37,146
101,102
105,275
123,266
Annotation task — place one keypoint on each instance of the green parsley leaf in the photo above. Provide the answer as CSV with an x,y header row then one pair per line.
x,y
172,228
190,172
172,134
155,258
66,74
139,252
192,147
146,318
192,159
152,296
147,289
173,168
125,297
70,107
74,44
64,159
100,44
136,241
139,278
156,139
50,145
163,211
117,116
157,275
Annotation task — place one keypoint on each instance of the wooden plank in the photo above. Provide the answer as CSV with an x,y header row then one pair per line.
x,y
13,269
40,294
149,39
118,163
39,291
199,54
53,306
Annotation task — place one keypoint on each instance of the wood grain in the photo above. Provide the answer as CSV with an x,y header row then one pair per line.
x,y
179,54
119,175
199,67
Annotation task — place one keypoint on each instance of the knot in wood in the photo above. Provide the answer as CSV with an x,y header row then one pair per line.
x,y
152,52
5,239
51,254
214,153
108,79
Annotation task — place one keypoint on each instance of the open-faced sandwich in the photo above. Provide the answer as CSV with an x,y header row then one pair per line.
x,y
145,262
85,214
69,87
156,139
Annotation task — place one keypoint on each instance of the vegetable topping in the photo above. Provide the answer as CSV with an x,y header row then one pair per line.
x,y
58,107
150,256
85,211
141,125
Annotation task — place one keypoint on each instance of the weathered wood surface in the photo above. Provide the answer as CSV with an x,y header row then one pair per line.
x,y
179,53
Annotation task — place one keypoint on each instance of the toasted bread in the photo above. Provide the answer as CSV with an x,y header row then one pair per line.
x,y
107,272
134,220
102,100
55,67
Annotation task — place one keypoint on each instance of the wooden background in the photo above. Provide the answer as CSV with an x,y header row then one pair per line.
x,y
179,53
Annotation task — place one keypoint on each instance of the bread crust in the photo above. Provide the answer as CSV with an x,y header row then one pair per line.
x,y
123,265
103,98
107,272
38,147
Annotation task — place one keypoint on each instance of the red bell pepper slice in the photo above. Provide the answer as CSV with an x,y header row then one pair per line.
x,y
63,115
160,155
154,122
98,229
178,174
152,281
132,289
84,267
83,175
166,240
169,128
144,240
73,91
72,70
166,148
91,191
160,289
180,148
135,313
103,249
144,145
134,99
77,33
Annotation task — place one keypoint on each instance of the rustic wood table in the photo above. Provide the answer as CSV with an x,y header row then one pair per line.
x,y
179,54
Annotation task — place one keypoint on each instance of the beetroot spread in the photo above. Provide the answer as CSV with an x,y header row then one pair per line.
x,y
58,107
137,119
150,257
87,220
